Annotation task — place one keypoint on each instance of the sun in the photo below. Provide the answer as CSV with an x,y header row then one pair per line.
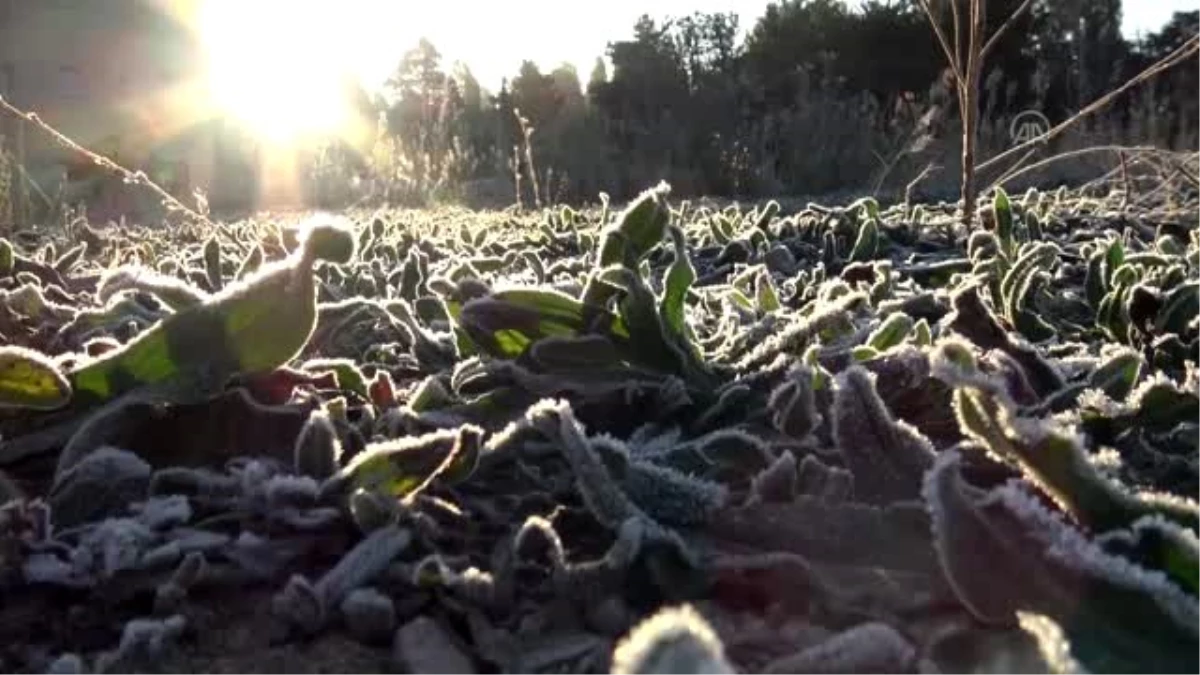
x,y
279,67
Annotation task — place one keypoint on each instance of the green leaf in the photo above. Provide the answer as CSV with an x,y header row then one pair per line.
x,y
1057,462
719,235
891,332
769,211
1094,285
867,242
1014,289
922,334
1002,209
1033,225
212,264
864,353
1003,553
650,343
65,262
254,327
740,299
403,467
1119,374
865,208
638,228
349,377
764,292
29,379
1180,308
7,258
431,394
679,279
505,323
582,353
251,263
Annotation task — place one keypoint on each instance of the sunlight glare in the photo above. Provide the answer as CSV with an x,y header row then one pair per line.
x,y
277,66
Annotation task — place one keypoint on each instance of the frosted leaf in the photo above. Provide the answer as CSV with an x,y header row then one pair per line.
x,y
607,502
671,497
793,404
673,640
776,483
112,546
369,615
1052,642
423,646
143,641
368,558
104,483
830,321
299,605
538,536
284,491
161,513
66,664
1004,552
1069,547
47,568
827,483
866,648
886,456
966,545
895,537
318,447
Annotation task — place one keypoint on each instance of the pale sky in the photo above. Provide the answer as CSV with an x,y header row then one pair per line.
x,y
494,36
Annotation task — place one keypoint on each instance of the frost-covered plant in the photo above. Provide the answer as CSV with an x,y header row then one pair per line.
x,y
673,640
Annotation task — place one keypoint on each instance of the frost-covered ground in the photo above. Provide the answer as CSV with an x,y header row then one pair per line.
x,y
841,438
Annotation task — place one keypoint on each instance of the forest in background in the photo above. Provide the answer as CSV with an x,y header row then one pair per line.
x,y
817,97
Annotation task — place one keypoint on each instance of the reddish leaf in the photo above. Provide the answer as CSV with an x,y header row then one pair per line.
x,y
277,386
383,390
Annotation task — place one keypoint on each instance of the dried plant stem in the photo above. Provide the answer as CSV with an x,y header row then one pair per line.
x,y
1119,149
912,184
1127,189
527,135
134,177
1188,175
515,165
1185,51
968,71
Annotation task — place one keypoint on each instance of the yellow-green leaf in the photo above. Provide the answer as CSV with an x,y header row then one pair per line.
x,y
29,379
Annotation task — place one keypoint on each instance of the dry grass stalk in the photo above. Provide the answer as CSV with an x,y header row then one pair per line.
x,y
1184,52
527,134
968,70
1030,148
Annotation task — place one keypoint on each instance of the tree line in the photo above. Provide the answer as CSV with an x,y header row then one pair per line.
x,y
818,96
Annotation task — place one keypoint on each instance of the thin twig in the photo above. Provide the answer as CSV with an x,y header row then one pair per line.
x,y
1187,49
1071,155
951,54
134,177
1126,188
912,184
1188,175
1012,18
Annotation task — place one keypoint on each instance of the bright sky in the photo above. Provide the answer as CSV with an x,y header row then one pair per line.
x,y
491,36
574,31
